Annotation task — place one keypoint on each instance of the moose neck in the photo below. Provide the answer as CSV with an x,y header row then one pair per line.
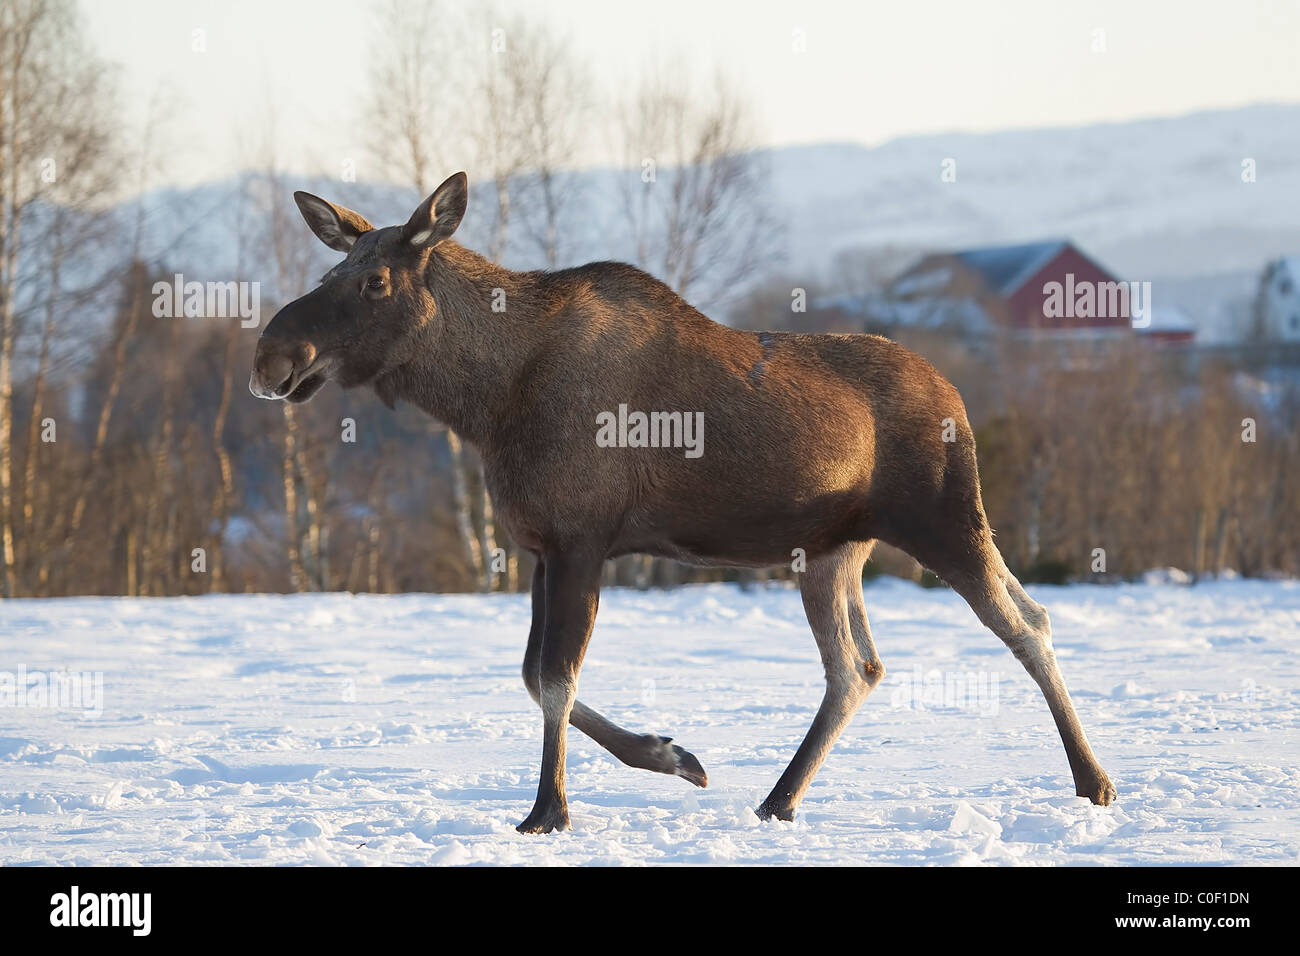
x,y
462,374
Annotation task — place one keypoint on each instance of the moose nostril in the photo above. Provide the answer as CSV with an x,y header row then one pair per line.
x,y
278,364
273,373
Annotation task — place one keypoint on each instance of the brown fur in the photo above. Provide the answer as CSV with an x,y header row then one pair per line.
x,y
813,444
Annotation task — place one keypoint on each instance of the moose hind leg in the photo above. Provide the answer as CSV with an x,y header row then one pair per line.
x,y
832,598
1023,625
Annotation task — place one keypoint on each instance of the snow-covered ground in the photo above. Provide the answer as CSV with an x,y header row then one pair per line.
x,y
371,730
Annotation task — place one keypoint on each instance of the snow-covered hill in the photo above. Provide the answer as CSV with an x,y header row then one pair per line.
x,y
395,729
1150,199
1158,199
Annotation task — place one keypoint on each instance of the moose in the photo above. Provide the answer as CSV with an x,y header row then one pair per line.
x,y
817,445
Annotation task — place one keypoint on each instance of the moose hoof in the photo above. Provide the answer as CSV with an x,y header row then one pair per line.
x,y
688,768
661,755
768,809
1100,791
545,820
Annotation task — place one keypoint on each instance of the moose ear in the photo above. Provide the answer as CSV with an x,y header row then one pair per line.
x,y
440,214
336,226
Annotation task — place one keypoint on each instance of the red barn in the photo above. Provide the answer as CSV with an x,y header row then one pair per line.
x,y
1042,286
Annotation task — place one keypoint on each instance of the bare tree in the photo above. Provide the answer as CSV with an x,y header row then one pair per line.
x,y
553,87
56,120
499,116
415,51
530,97
145,162
289,250
693,193
223,501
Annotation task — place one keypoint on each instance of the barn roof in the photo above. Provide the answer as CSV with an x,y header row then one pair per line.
x,y
1007,268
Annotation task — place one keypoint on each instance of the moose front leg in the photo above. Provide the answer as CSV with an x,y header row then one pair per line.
x,y
645,751
572,589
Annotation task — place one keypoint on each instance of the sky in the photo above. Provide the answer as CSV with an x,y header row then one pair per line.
x,y
814,71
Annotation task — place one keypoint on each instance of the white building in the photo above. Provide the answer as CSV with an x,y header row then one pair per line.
x,y
1278,304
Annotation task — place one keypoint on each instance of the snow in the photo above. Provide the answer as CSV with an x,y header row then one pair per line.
x,y
340,729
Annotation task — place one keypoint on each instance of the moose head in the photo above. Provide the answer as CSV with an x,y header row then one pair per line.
x,y
370,311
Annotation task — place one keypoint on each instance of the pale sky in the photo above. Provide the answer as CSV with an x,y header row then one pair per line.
x,y
869,72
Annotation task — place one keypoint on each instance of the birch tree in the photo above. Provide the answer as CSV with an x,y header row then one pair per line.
x,y
555,104
693,191
414,71
56,121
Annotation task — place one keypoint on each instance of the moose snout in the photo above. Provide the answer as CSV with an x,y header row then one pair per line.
x,y
279,366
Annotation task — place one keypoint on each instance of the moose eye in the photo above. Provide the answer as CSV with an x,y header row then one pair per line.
x,y
375,283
